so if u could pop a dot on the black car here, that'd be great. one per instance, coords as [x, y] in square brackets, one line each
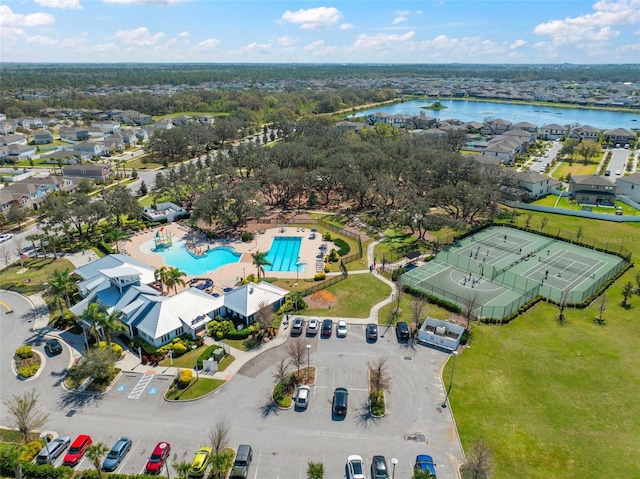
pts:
[402, 331]
[53, 347]
[372, 332]
[327, 328]
[379, 468]
[340, 399]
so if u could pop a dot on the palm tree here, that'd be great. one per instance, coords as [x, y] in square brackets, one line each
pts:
[62, 285]
[182, 469]
[95, 453]
[95, 315]
[161, 275]
[117, 235]
[260, 261]
[33, 238]
[112, 322]
[174, 278]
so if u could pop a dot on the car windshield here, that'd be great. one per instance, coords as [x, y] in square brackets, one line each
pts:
[155, 457]
[74, 450]
[113, 454]
[357, 467]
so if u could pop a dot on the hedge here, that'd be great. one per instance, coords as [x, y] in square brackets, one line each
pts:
[43, 471]
[30, 450]
[242, 334]
[343, 246]
[24, 352]
[28, 371]
[207, 354]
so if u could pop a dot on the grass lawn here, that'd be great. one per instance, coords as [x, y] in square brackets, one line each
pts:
[405, 313]
[237, 343]
[567, 203]
[38, 271]
[139, 165]
[551, 400]
[224, 364]
[186, 361]
[197, 389]
[190, 113]
[577, 168]
[351, 302]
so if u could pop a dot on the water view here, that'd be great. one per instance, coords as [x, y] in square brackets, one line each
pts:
[465, 110]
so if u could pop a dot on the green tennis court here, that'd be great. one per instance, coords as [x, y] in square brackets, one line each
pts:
[497, 270]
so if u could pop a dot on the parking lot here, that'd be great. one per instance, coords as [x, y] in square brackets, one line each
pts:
[283, 441]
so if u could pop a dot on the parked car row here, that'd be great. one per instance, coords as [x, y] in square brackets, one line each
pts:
[355, 468]
[326, 329]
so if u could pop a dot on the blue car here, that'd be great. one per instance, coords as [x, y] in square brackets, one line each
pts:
[425, 463]
[116, 454]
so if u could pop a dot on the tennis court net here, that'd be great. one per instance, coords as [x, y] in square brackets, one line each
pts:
[568, 265]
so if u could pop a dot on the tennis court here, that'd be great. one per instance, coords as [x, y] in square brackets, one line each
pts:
[497, 270]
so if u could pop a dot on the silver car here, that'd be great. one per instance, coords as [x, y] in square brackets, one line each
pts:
[52, 451]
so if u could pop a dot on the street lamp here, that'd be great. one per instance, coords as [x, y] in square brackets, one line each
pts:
[44, 437]
[453, 367]
[308, 362]
[195, 357]
[394, 461]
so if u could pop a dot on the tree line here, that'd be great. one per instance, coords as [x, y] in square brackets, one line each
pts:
[413, 181]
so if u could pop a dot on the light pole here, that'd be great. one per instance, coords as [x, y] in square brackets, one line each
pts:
[43, 436]
[394, 461]
[308, 362]
[195, 357]
[297, 279]
[453, 367]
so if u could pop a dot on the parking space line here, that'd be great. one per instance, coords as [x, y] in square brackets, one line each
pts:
[139, 388]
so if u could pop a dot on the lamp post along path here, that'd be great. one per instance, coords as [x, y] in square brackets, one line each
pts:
[195, 360]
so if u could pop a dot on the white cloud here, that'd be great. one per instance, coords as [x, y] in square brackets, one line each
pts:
[10, 19]
[208, 44]
[318, 49]
[517, 44]
[592, 27]
[313, 18]
[42, 40]
[255, 49]
[285, 41]
[381, 40]
[160, 3]
[139, 37]
[398, 20]
[73, 4]
[183, 34]
[12, 33]
[346, 26]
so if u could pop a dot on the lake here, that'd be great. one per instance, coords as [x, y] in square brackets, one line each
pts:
[465, 111]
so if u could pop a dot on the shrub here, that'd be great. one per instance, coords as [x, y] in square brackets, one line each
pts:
[206, 354]
[179, 349]
[246, 237]
[333, 256]
[343, 246]
[319, 276]
[115, 348]
[327, 237]
[29, 450]
[45, 471]
[28, 371]
[242, 334]
[24, 352]
[184, 378]
[280, 395]
[398, 272]
[377, 404]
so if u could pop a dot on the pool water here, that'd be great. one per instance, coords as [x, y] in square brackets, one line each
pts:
[178, 256]
[283, 254]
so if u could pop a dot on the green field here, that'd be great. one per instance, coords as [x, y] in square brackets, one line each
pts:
[553, 400]
[34, 279]
[568, 204]
[577, 168]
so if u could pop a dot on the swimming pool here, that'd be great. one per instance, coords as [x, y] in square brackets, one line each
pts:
[283, 254]
[178, 256]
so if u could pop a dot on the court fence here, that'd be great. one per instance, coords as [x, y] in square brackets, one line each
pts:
[608, 245]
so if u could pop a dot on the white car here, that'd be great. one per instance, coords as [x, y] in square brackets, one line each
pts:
[355, 467]
[341, 330]
[618, 172]
[312, 327]
[5, 237]
[303, 395]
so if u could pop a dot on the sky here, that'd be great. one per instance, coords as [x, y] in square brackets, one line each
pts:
[346, 31]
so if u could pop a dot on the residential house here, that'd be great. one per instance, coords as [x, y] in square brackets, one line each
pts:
[13, 139]
[29, 123]
[552, 132]
[522, 135]
[129, 137]
[473, 126]
[619, 136]
[165, 124]
[350, 125]
[526, 126]
[74, 133]
[498, 126]
[92, 148]
[206, 120]
[592, 190]
[585, 132]
[6, 127]
[97, 134]
[629, 186]
[93, 171]
[182, 120]
[504, 148]
[67, 157]
[244, 302]
[42, 137]
[114, 143]
[535, 184]
[107, 126]
[142, 119]
[31, 192]
[15, 153]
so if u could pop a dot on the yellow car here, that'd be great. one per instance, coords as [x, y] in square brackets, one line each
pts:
[200, 462]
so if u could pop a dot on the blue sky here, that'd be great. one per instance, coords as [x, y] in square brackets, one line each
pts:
[354, 31]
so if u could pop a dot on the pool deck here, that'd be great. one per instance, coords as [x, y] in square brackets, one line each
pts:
[229, 275]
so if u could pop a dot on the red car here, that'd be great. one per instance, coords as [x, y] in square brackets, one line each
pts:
[76, 451]
[158, 458]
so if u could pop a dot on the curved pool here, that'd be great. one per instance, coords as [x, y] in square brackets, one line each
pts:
[177, 255]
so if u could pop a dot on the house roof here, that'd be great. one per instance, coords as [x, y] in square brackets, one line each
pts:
[619, 132]
[113, 261]
[595, 180]
[553, 126]
[633, 179]
[248, 298]
[530, 177]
